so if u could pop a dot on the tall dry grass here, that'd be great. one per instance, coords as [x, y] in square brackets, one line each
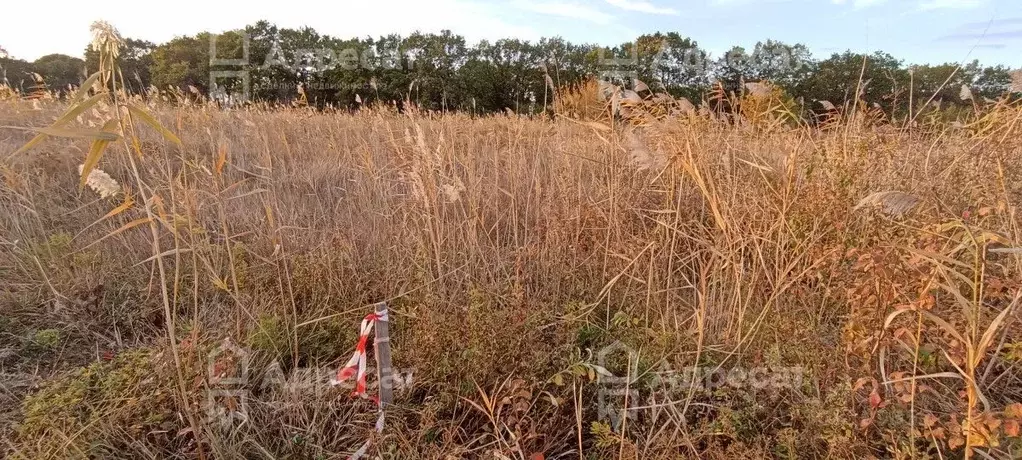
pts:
[512, 250]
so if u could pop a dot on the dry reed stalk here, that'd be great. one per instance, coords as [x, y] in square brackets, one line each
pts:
[737, 251]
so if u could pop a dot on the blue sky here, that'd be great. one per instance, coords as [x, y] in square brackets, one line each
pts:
[914, 30]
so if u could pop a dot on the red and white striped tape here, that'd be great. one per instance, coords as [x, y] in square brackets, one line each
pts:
[356, 366]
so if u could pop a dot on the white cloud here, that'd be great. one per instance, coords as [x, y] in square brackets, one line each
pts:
[69, 34]
[955, 4]
[857, 4]
[566, 10]
[642, 7]
[984, 31]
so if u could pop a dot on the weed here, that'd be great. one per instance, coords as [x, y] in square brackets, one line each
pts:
[882, 262]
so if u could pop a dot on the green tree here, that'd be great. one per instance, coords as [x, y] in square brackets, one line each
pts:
[182, 62]
[135, 60]
[16, 74]
[992, 82]
[505, 74]
[269, 68]
[883, 81]
[670, 63]
[60, 71]
[435, 60]
[440, 71]
[388, 65]
[733, 68]
[567, 63]
[787, 66]
[942, 83]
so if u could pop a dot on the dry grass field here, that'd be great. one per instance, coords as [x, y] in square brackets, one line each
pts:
[874, 265]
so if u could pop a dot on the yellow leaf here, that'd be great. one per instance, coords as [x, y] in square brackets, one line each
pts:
[95, 153]
[269, 216]
[79, 109]
[220, 284]
[71, 114]
[31, 143]
[988, 336]
[221, 159]
[149, 120]
[128, 202]
[69, 132]
[135, 144]
[83, 90]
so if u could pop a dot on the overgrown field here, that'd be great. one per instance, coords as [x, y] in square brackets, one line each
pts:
[513, 252]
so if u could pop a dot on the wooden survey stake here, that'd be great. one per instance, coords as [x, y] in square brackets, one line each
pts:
[384, 372]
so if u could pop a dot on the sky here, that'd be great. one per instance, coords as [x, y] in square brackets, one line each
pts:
[917, 31]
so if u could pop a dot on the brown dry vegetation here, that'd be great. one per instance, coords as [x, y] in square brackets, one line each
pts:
[512, 250]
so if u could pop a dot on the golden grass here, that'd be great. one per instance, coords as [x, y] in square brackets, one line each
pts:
[513, 250]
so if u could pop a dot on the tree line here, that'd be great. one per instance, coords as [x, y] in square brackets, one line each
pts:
[441, 71]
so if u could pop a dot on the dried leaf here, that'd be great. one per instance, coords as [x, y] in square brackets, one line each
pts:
[607, 90]
[125, 227]
[685, 107]
[1013, 410]
[874, 399]
[83, 90]
[639, 86]
[1011, 428]
[221, 159]
[79, 109]
[759, 89]
[152, 122]
[71, 132]
[965, 93]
